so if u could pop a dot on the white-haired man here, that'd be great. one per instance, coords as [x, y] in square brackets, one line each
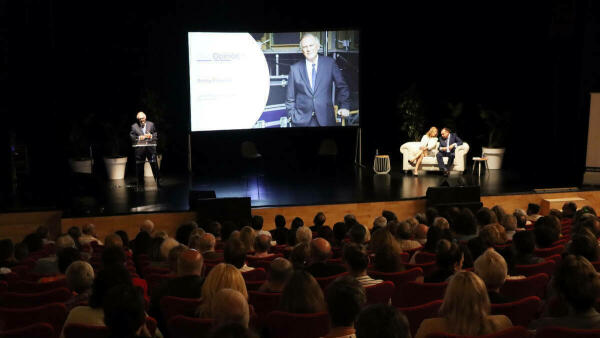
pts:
[143, 136]
[308, 100]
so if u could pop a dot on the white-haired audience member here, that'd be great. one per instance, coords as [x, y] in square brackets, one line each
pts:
[303, 235]
[492, 269]
[88, 235]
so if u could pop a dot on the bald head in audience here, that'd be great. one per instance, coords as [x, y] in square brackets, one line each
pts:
[380, 222]
[207, 243]
[230, 306]
[190, 262]
[320, 250]
[147, 226]
[262, 244]
[420, 233]
[64, 241]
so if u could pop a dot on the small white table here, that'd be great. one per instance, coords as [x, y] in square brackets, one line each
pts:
[478, 161]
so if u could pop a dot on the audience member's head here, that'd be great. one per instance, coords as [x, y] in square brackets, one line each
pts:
[465, 222]
[147, 226]
[533, 209]
[184, 231]
[380, 222]
[80, 276]
[174, 256]
[262, 244]
[545, 232]
[404, 231]
[303, 235]
[230, 306]
[382, 321]
[434, 234]
[556, 213]
[569, 209]
[206, 243]
[302, 294]
[509, 222]
[65, 257]
[499, 212]
[441, 222]
[521, 216]
[319, 219]
[431, 213]
[420, 232]
[326, 233]
[388, 255]
[63, 242]
[583, 243]
[113, 240]
[350, 220]
[355, 258]
[421, 218]
[214, 228]
[142, 244]
[222, 276]
[577, 282]
[524, 242]
[124, 312]
[357, 234]
[490, 236]
[389, 215]
[113, 256]
[257, 222]
[89, 229]
[297, 223]
[235, 253]
[42, 231]
[345, 298]
[166, 246]
[588, 221]
[75, 233]
[281, 270]
[320, 250]
[106, 279]
[190, 263]
[449, 256]
[247, 236]
[279, 221]
[466, 304]
[485, 216]
[300, 255]
[492, 269]
[124, 238]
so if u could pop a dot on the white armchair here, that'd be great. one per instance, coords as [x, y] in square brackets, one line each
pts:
[408, 150]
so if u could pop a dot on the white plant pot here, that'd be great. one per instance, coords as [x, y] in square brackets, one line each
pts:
[81, 166]
[148, 169]
[115, 167]
[494, 157]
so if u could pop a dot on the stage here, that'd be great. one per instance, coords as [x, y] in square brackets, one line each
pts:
[322, 186]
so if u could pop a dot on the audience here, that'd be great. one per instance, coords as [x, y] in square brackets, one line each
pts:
[124, 315]
[230, 306]
[296, 224]
[345, 298]
[88, 235]
[257, 223]
[318, 221]
[80, 278]
[434, 235]
[300, 255]
[382, 321]
[262, 244]
[302, 294]
[280, 272]
[339, 234]
[449, 259]
[388, 254]
[583, 243]
[235, 254]
[184, 231]
[113, 240]
[280, 234]
[420, 233]
[357, 234]
[492, 269]
[42, 231]
[404, 236]
[577, 282]
[357, 261]
[320, 252]
[222, 276]
[465, 310]
[465, 225]
[547, 231]
[247, 236]
[48, 266]
[206, 245]
[65, 257]
[303, 235]
[214, 228]
[533, 212]
[379, 223]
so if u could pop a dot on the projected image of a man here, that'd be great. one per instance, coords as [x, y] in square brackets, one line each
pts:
[310, 84]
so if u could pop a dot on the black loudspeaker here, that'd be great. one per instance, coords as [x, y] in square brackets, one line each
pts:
[200, 195]
[453, 182]
[222, 209]
[446, 197]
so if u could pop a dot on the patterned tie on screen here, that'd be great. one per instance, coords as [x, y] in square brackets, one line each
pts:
[314, 76]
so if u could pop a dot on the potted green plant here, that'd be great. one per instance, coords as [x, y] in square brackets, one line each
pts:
[115, 136]
[497, 124]
[410, 108]
[79, 145]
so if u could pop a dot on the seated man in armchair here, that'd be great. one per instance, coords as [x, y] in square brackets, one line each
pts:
[448, 144]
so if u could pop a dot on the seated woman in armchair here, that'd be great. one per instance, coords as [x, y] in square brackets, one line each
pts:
[428, 143]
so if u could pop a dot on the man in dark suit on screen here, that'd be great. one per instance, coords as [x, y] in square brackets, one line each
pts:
[143, 136]
[309, 93]
[447, 148]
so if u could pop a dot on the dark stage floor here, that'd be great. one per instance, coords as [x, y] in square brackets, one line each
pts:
[345, 185]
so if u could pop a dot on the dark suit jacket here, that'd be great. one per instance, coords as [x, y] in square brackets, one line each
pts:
[136, 132]
[280, 235]
[302, 101]
[453, 139]
[321, 269]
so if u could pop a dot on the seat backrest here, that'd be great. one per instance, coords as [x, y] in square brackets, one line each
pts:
[555, 258]
[325, 281]
[25, 300]
[398, 278]
[546, 252]
[264, 302]
[154, 280]
[563, 332]
[38, 330]
[173, 306]
[413, 293]
[189, 327]
[416, 314]
[53, 314]
[257, 274]
[75, 330]
[25, 286]
[405, 257]
[531, 286]
[520, 312]
[254, 284]
[297, 325]
[265, 265]
[546, 267]
[427, 268]
[411, 252]
[424, 257]
[511, 332]
[380, 293]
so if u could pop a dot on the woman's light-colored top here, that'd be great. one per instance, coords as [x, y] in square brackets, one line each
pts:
[429, 142]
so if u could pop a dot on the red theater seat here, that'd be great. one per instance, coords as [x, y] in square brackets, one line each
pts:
[53, 314]
[547, 252]
[546, 267]
[424, 257]
[416, 314]
[254, 285]
[189, 327]
[257, 274]
[25, 286]
[520, 312]
[512, 332]
[39, 330]
[413, 293]
[563, 332]
[427, 268]
[380, 293]
[297, 325]
[325, 281]
[531, 286]
[93, 331]
[173, 306]
[25, 300]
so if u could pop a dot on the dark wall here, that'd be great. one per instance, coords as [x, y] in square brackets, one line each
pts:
[535, 60]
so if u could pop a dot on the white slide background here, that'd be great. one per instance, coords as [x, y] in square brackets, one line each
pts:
[229, 81]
